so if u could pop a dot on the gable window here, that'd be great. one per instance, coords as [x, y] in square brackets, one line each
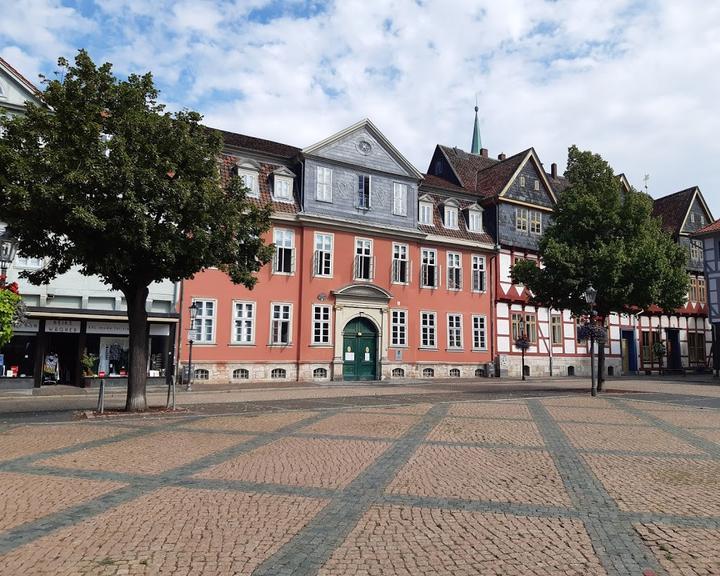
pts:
[521, 219]
[363, 259]
[400, 199]
[478, 273]
[323, 255]
[398, 327]
[284, 260]
[249, 178]
[280, 324]
[454, 327]
[701, 290]
[535, 222]
[321, 324]
[696, 251]
[429, 276]
[556, 329]
[244, 322]
[522, 181]
[454, 271]
[537, 184]
[428, 326]
[692, 217]
[204, 326]
[702, 220]
[475, 221]
[451, 217]
[363, 194]
[425, 213]
[479, 332]
[282, 188]
[323, 189]
[400, 264]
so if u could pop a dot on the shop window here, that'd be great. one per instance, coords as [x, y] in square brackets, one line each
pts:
[455, 372]
[241, 374]
[278, 374]
[428, 373]
[398, 373]
[320, 373]
[202, 374]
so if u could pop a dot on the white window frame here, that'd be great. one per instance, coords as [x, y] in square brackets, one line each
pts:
[200, 336]
[400, 195]
[369, 192]
[450, 217]
[398, 328]
[277, 181]
[28, 263]
[459, 317]
[537, 184]
[254, 188]
[522, 181]
[398, 251]
[475, 221]
[696, 250]
[356, 260]
[425, 341]
[323, 184]
[321, 339]
[273, 319]
[245, 321]
[322, 265]
[479, 332]
[479, 274]
[454, 271]
[522, 219]
[277, 234]
[426, 208]
[426, 267]
[535, 222]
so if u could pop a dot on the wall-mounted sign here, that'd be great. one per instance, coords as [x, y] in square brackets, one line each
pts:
[350, 356]
[62, 326]
[30, 325]
[119, 328]
[159, 330]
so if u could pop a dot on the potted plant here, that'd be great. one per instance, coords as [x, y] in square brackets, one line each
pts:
[89, 363]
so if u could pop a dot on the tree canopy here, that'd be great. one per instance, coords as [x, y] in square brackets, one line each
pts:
[101, 177]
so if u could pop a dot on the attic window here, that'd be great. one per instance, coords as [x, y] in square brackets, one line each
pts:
[248, 173]
[702, 220]
[692, 217]
[425, 213]
[451, 217]
[537, 184]
[475, 221]
[522, 181]
[282, 188]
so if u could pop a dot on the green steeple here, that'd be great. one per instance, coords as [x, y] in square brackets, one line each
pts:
[476, 143]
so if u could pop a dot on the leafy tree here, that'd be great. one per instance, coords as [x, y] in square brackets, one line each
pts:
[11, 310]
[102, 177]
[606, 236]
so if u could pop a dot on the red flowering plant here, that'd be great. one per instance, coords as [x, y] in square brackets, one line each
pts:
[12, 309]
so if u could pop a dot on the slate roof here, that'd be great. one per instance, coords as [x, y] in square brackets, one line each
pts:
[258, 145]
[462, 232]
[712, 228]
[558, 184]
[672, 209]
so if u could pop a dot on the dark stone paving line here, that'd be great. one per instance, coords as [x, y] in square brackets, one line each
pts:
[308, 550]
[710, 448]
[708, 522]
[688, 400]
[256, 487]
[641, 453]
[619, 548]
[595, 423]
[487, 445]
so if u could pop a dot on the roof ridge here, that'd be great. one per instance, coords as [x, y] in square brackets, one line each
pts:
[22, 78]
[690, 189]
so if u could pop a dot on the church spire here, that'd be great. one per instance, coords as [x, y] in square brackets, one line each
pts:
[476, 143]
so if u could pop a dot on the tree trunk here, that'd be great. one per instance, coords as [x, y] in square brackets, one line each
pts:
[601, 366]
[137, 377]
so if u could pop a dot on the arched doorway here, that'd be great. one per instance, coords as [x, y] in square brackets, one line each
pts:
[360, 350]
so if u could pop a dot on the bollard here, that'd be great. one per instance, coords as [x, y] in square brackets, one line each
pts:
[101, 394]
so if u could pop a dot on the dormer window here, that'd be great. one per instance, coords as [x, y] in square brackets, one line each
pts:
[249, 171]
[475, 220]
[450, 216]
[425, 213]
[283, 185]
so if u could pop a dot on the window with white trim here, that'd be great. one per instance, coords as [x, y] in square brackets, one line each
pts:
[398, 327]
[454, 330]
[363, 193]
[429, 273]
[323, 190]
[475, 221]
[428, 328]
[282, 188]
[537, 185]
[363, 259]
[425, 214]
[323, 256]
[284, 260]
[522, 181]
[478, 273]
[400, 264]
[535, 222]
[28, 263]
[281, 321]
[450, 217]
[521, 219]
[243, 322]
[454, 271]
[696, 250]
[249, 179]
[479, 332]
[241, 374]
[204, 325]
[321, 324]
[400, 199]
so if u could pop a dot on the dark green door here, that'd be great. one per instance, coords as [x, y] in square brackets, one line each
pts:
[359, 350]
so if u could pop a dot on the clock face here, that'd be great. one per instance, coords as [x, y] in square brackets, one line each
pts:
[364, 147]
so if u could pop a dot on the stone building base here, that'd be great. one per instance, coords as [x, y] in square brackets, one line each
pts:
[509, 366]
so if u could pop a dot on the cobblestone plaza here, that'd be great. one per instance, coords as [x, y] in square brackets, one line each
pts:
[565, 484]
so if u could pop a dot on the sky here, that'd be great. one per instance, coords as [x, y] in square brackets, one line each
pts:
[633, 80]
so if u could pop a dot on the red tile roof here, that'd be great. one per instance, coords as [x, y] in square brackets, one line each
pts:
[493, 179]
[431, 181]
[260, 145]
[462, 232]
[466, 165]
[229, 160]
[672, 209]
[712, 228]
[29, 85]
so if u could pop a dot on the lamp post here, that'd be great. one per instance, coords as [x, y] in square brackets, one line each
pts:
[8, 247]
[590, 295]
[191, 338]
[522, 342]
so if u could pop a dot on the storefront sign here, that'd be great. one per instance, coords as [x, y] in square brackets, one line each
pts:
[63, 326]
[159, 330]
[30, 325]
[118, 328]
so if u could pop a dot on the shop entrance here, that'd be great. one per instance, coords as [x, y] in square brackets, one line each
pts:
[360, 350]
[629, 352]
[61, 362]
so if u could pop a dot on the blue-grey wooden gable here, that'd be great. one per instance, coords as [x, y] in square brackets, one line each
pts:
[541, 197]
[508, 235]
[697, 217]
[348, 159]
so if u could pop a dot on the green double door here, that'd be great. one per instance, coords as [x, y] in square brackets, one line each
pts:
[359, 350]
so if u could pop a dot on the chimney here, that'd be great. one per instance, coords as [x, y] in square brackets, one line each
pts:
[553, 170]
[502, 156]
[484, 152]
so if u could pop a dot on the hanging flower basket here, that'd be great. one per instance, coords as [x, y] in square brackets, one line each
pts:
[12, 310]
[522, 343]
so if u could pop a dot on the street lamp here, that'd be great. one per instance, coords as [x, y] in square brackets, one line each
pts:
[191, 339]
[522, 343]
[590, 295]
[8, 247]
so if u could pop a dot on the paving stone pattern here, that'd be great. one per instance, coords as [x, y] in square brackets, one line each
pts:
[548, 486]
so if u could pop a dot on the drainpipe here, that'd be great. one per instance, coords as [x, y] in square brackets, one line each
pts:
[300, 266]
[178, 348]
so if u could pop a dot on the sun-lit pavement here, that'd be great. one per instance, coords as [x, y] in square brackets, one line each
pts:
[553, 484]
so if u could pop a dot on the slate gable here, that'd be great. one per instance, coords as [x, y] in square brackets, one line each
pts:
[527, 193]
